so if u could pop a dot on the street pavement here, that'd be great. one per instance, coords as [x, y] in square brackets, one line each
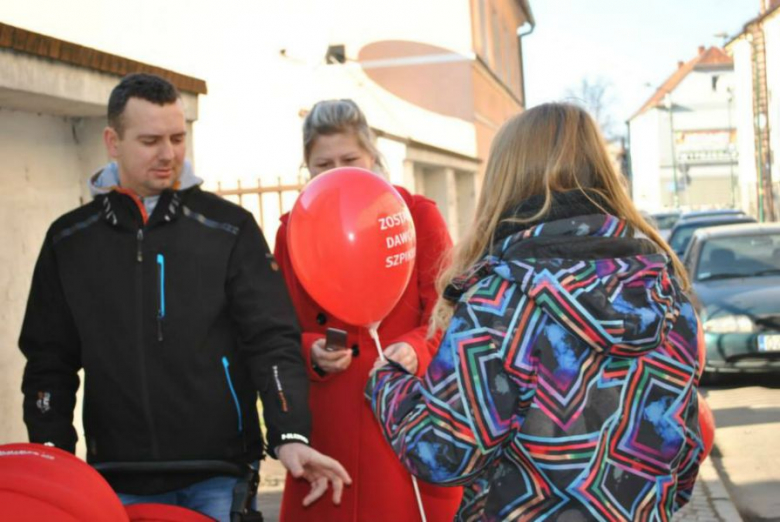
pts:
[710, 501]
[747, 455]
[269, 496]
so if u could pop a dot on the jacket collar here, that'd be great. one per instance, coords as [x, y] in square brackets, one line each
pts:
[564, 205]
[125, 210]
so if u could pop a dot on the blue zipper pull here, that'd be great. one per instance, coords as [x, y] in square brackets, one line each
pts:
[161, 294]
[226, 365]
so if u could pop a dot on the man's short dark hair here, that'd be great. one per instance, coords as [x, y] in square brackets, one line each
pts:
[147, 87]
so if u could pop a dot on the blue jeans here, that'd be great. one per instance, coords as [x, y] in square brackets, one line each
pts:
[212, 497]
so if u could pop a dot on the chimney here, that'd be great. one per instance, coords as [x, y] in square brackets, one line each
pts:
[768, 5]
[701, 50]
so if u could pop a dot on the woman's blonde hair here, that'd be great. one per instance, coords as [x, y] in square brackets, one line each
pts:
[551, 148]
[328, 117]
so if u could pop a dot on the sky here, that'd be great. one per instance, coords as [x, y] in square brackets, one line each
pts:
[631, 44]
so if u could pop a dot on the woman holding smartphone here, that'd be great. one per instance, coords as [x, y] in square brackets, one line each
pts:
[336, 134]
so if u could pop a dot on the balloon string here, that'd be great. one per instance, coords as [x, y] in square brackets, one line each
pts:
[375, 336]
[372, 331]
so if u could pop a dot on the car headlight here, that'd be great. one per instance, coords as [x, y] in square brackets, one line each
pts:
[729, 324]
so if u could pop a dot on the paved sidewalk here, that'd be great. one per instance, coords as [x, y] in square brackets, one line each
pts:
[710, 501]
[269, 496]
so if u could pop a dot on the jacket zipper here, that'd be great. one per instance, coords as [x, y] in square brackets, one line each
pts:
[160, 295]
[139, 242]
[142, 346]
[226, 365]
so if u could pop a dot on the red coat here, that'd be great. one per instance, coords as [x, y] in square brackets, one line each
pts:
[343, 425]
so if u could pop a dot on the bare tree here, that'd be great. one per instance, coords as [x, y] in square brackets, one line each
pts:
[595, 96]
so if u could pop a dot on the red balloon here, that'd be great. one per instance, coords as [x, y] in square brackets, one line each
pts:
[352, 244]
[706, 425]
[701, 350]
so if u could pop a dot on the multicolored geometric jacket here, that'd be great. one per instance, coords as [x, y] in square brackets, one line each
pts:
[565, 387]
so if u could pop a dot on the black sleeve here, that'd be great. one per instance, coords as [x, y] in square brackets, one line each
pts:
[50, 343]
[269, 337]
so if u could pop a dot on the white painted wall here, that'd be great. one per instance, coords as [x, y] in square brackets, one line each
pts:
[697, 107]
[743, 90]
[42, 173]
[706, 108]
[645, 158]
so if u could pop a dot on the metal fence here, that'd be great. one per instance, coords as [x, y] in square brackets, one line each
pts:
[247, 197]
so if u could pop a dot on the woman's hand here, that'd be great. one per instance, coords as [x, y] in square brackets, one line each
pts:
[330, 362]
[403, 354]
[379, 363]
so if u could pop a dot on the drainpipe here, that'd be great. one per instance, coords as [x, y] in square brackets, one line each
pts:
[532, 26]
[757, 128]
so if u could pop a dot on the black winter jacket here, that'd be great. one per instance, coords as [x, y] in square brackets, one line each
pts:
[177, 322]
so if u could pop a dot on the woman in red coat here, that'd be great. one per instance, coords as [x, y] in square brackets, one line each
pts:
[336, 135]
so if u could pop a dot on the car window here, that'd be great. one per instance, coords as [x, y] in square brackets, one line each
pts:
[680, 238]
[739, 256]
[711, 213]
[665, 222]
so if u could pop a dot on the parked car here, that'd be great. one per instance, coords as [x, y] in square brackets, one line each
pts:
[696, 214]
[664, 221]
[735, 272]
[681, 234]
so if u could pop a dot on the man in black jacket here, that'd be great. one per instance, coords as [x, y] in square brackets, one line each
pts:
[168, 298]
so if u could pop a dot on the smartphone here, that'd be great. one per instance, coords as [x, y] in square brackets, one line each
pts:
[335, 339]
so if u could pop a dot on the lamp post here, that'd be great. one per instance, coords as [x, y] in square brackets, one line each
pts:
[730, 147]
[670, 106]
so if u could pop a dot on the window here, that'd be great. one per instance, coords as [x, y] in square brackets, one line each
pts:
[509, 57]
[497, 47]
[483, 41]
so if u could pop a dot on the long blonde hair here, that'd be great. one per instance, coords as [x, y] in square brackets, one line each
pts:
[551, 148]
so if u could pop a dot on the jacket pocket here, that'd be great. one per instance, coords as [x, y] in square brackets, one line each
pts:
[226, 366]
[160, 295]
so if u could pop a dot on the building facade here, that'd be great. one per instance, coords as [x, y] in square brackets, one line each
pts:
[756, 54]
[436, 80]
[683, 139]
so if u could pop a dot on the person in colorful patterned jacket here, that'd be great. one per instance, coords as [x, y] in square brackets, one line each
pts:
[565, 387]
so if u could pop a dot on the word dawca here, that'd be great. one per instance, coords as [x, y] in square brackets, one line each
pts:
[400, 239]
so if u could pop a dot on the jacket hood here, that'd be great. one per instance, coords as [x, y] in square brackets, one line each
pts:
[612, 291]
[106, 179]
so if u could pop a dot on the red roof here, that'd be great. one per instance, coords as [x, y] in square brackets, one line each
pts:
[707, 58]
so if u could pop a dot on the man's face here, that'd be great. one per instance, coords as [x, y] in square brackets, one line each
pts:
[150, 152]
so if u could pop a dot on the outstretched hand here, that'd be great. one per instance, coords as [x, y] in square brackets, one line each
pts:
[305, 462]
